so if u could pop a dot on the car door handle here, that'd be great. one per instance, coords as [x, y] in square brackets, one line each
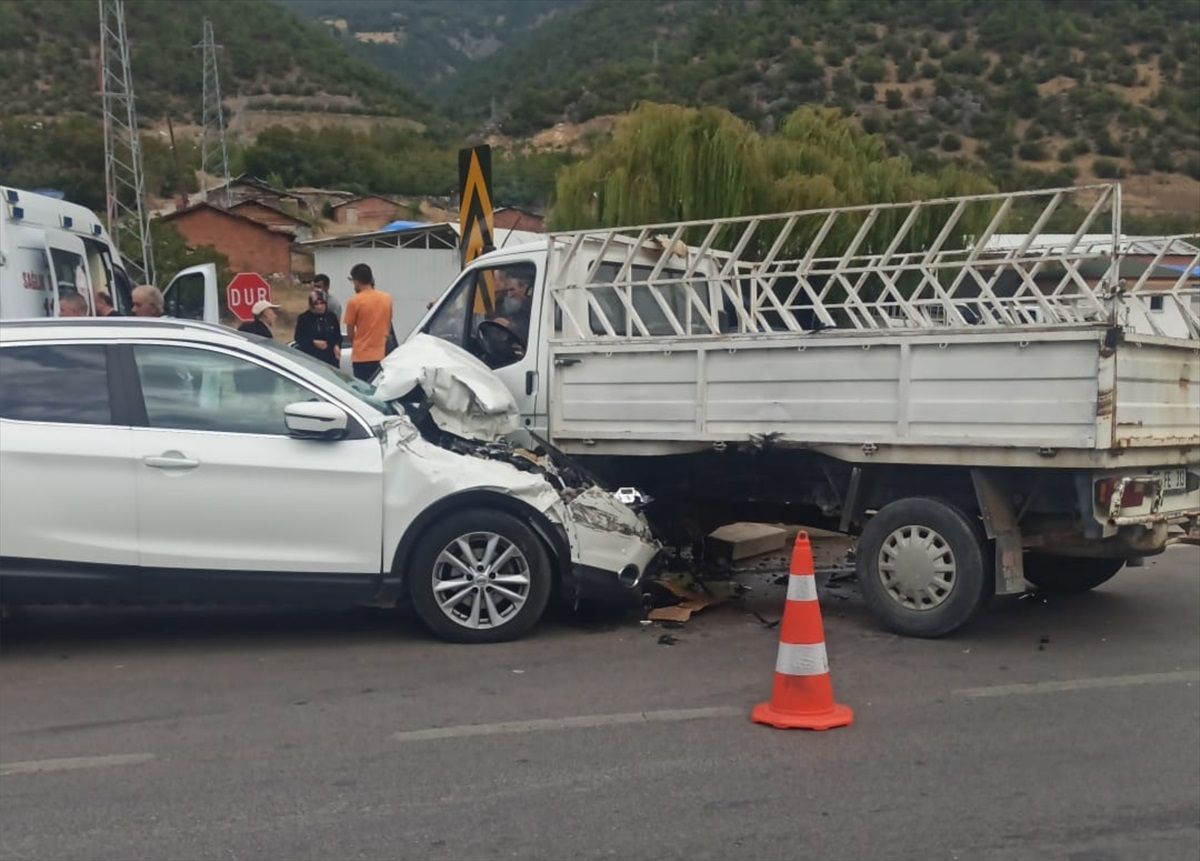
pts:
[170, 460]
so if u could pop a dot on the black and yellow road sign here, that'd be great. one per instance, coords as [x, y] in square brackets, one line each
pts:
[475, 208]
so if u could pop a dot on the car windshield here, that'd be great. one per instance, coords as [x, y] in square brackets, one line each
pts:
[364, 392]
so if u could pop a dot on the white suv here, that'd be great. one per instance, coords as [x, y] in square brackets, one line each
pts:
[165, 460]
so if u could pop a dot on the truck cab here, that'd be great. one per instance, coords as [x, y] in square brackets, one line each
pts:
[495, 310]
[51, 248]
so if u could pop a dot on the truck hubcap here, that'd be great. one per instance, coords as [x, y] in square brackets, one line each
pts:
[481, 580]
[916, 567]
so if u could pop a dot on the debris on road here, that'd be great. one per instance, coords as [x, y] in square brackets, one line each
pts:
[737, 541]
[691, 602]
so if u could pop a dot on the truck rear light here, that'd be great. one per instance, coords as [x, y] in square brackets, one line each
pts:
[1133, 495]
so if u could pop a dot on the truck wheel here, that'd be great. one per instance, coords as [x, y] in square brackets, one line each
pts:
[1068, 575]
[479, 576]
[923, 567]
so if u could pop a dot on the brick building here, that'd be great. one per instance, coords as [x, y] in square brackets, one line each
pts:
[274, 218]
[249, 245]
[369, 212]
[515, 218]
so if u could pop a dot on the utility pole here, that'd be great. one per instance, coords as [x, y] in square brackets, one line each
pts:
[124, 182]
[214, 159]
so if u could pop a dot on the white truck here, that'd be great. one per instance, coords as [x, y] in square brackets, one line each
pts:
[982, 402]
[50, 248]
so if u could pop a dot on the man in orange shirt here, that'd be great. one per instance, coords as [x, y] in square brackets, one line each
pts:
[368, 321]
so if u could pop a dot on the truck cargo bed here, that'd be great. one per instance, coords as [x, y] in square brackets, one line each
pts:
[1083, 388]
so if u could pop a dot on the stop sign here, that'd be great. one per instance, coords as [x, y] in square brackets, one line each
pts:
[243, 291]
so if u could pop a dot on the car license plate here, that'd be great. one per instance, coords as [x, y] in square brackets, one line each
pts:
[1173, 480]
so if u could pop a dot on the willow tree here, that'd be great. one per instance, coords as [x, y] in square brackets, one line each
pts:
[672, 163]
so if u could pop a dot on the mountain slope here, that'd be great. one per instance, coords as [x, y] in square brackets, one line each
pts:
[49, 57]
[1034, 90]
[426, 44]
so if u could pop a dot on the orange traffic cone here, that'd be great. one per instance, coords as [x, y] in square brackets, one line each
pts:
[802, 695]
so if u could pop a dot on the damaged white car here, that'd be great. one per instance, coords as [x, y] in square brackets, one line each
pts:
[153, 461]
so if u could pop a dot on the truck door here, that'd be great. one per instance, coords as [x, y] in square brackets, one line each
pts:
[192, 294]
[492, 312]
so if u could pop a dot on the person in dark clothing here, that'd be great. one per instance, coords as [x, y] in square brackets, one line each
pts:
[321, 282]
[264, 316]
[104, 306]
[318, 331]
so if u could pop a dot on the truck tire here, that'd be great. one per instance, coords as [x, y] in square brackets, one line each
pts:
[479, 576]
[1069, 575]
[924, 568]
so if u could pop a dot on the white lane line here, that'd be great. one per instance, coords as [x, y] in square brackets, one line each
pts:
[577, 722]
[72, 763]
[1082, 684]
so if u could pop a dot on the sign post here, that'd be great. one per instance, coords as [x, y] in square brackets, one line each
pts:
[243, 291]
[475, 201]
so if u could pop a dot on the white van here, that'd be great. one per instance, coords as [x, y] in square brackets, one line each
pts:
[49, 248]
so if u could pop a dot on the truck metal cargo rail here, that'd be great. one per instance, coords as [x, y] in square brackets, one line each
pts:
[1035, 344]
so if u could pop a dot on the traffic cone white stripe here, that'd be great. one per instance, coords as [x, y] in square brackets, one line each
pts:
[802, 588]
[802, 659]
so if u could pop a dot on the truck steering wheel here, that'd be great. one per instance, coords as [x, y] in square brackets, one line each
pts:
[500, 344]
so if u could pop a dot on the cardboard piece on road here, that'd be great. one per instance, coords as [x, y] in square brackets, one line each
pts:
[736, 541]
[693, 602]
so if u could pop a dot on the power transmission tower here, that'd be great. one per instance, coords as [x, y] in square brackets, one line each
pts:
[124, 183]
[213, 155]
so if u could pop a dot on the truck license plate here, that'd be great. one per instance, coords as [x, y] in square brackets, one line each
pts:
[1173, 480]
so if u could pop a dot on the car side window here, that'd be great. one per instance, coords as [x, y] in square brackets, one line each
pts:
[65, 383]
[186, 388]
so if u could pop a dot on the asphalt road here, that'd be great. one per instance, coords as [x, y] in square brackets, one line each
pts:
[1053, 729]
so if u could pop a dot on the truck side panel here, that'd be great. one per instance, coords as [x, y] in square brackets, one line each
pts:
[968, 390]
[1157, 393]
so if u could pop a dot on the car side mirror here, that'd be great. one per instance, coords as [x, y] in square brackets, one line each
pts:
[315, 420]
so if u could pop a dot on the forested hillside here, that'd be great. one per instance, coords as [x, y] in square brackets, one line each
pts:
[429, 44]
[1066, 88]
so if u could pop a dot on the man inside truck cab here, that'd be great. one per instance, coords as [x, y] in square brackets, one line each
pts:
[503, 333]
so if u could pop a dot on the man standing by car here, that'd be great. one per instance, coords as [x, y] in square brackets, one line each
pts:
[264, 318]
[368, 321]
[147, 301]
[104, 306]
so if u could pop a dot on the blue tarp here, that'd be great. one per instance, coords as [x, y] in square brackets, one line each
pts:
[1175, 267]
[402, 225]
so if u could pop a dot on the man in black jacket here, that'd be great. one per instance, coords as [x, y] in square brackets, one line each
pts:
[264, 318]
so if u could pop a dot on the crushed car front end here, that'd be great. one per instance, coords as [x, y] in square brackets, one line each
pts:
[457, 414]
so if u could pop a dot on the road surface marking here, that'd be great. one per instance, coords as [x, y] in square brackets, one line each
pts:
[578, 722]
[1082, 684]
[72, 763]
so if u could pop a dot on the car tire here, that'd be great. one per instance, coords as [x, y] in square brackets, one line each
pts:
[1069, 575]
[463, 594]
[923, 567]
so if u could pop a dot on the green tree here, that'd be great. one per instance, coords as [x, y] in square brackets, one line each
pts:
[667, 162]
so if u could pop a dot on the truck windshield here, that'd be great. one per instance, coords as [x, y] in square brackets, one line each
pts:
[364, 392]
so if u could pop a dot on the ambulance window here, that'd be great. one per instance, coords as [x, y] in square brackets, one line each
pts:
[67, 270]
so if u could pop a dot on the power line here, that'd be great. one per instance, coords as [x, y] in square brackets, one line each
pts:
[213, 155]
[124, 182]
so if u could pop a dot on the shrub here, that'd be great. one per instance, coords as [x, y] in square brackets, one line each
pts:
[894, 99]
[1032, 151]
[951, 142]
[929, 70]
[869, 68]
[965, 62]
[1107, 169]
[866, 92]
